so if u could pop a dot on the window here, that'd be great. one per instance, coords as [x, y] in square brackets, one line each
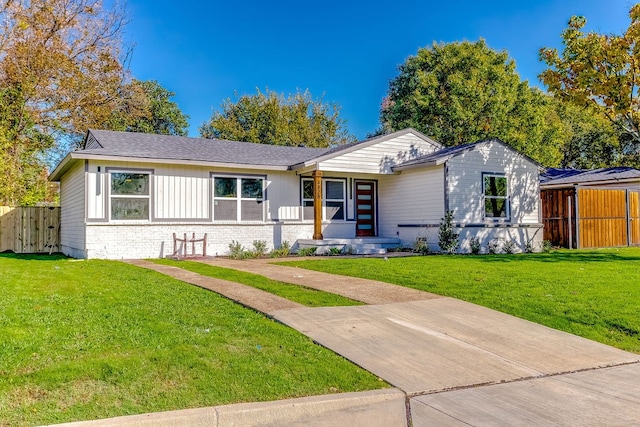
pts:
[237, 199]
[496, 197]
[333, 199]
[130, 195]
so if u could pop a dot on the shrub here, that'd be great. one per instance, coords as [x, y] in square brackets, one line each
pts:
[509, 247]
[283, 251]
[528, 248]
[236, 250]
[307, 251]
[475, 246]
[448, 238]
[259, 248]
[420, 246]
[334, 251]
[494, 246]
[546, 246]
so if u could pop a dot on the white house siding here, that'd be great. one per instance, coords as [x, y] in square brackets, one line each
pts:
[410, 202]
[72, 205]
[465, 197]
[379, 158]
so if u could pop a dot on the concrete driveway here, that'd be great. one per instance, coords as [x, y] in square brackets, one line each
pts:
[462, 364]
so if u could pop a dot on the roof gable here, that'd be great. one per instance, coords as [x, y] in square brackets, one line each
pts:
[441, 156]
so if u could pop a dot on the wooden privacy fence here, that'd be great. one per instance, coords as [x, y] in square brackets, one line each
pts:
[29, 229]
[591, 217]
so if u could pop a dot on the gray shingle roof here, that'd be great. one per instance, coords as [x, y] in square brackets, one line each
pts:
[553, 176]
[442, 155]
[149, 146]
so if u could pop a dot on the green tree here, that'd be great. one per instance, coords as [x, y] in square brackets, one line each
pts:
[463, 92]
[272, 118]
[600, 71]
[23, 177]
[147, 107]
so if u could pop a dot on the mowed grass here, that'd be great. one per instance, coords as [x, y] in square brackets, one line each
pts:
[83, 340]
[300, 294]
[594, 294]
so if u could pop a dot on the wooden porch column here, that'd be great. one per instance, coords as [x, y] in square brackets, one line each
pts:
[317, 205]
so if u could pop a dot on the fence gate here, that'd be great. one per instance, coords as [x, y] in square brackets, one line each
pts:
[634, 217]
[29, 229]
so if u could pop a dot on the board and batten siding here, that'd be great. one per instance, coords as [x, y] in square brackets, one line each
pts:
[72, 212]
[464, 183]
[381, 157]
[415, 197]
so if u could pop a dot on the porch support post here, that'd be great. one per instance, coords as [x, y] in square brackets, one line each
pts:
[317, 205]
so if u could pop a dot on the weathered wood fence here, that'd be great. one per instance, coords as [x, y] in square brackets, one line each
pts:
[29, 229]
[591, 217]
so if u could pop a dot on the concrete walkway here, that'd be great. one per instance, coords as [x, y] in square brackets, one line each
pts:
[453, 363]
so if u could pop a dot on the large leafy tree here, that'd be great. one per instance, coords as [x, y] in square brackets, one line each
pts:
[462, 92]
[600, 71]
[272, 118]
[146, 107]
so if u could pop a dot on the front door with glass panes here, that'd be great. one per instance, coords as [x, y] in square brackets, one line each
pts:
[365, 208]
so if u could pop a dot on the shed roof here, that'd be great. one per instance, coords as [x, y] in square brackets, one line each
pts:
[570, 177]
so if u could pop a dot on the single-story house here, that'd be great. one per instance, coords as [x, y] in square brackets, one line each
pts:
[125, 194]
[594, 208]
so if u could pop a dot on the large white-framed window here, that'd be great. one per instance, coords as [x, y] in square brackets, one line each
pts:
[129, 195]
[334, 200]
[238, 198]
[496, 196]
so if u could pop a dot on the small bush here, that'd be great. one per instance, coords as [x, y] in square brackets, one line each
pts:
[528, 248]
[448, 239]
[494, 246]
[475, 246]
[259, 248]
[283, 251]
[307, 251]
[509, 247]
[236, 250]
[334, 251]
[420, 246]
[546, 246]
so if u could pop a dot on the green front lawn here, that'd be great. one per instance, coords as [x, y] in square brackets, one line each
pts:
[300, 294]
[594, 294]
[92, 339]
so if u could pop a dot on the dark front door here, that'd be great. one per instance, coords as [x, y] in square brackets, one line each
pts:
[365, 208]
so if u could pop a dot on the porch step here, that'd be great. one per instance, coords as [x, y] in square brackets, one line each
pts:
[357, 246]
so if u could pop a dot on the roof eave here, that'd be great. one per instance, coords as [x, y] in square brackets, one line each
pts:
[551, 185]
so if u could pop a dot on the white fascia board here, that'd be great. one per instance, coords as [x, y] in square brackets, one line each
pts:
[80, 155]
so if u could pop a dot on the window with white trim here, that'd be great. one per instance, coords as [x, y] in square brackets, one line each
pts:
[496, 196]
[238, 199]
[333, 199]
[130, 195]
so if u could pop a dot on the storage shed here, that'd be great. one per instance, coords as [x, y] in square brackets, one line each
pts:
[591, 208]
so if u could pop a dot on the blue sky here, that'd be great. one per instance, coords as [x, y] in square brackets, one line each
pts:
[345, 51]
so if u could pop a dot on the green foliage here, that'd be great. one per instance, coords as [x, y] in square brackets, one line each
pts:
[493, 247]
[448, 239]
[307, 251]
[420, 246]
[463, 92]
[283, 251]
[475, 246]
[600, 71]
[272, 118]
[334, 251]
[590, 293]
[546, 246]
[146, 107]
[98, 339]
[509, 247]
[236, 250]
[23, 172]
[259, 248]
